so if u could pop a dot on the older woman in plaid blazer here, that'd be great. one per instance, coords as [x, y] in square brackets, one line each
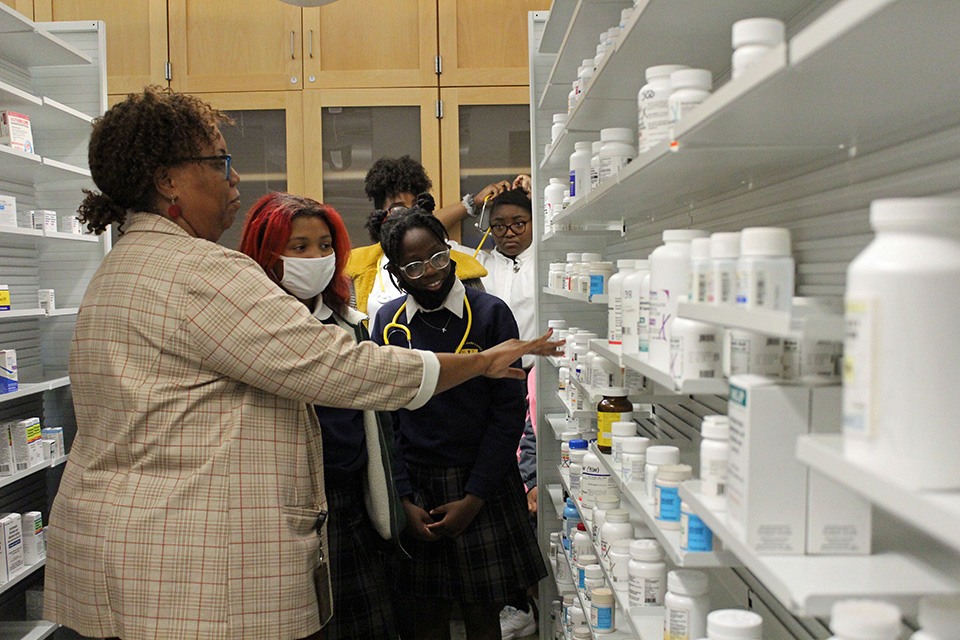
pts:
[192, 505]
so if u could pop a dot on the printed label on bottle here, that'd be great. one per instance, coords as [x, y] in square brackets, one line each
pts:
[573, 183]
[676, 625]
[668, 504]
[645, 591]
[605, 422]
[643, 326]
[858, 370]
[596, 285]
[611, 165]
[713, 476]
[743, 286]
[601, 618]
[694, 535]
[633, 465]
[759, 289]
[657, 121]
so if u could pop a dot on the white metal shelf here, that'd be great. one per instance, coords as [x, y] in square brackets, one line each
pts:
[37, 468]
[75, 237]
[66, 311]
[19, 166]
[29, 389]
[580, 297]
[54, 115]
[23, 573]
[809, 585]
[17, 99]
[19, 231]
[573, 413]
[669, 539]
[26, 45]
[14, 314]
[556, 27]
[558, 422]
[29, 630]
[786, 324]
[619, 633]
[555, 492]
[665, 380]
[935, 512]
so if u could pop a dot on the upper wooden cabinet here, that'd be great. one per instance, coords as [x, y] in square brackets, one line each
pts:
[358, 43]
[484, 42]
[235, 45]
[22, 6]
[136, 37]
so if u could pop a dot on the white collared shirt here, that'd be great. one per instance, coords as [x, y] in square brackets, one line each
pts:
[453, 302]
[383, 289]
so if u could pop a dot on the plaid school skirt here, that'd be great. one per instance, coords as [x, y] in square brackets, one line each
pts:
[495, 557]
[362, 606]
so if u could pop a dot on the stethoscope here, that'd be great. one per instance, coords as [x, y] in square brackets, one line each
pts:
[394, 324]
[479, 225]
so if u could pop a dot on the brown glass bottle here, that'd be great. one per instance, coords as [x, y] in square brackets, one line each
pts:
[614, 407]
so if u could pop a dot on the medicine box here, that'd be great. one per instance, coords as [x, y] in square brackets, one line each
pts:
[7, 466]
[8, 211]
[12, 532]
[4, 297]
[68, 224]
[15, 131]
[34, 547]
[27, 444]
[8, 371]
[25, 218]
[46, 299]
[45, 219]
[766, 486]
[838, 520]
[55, 434]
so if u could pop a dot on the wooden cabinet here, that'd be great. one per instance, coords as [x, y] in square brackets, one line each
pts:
[136, 37]
[23, 6]
[484, 42]
[356, 43]
[235, 45]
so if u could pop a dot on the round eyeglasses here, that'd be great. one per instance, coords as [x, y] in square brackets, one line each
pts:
[439, 260]
[500, 230]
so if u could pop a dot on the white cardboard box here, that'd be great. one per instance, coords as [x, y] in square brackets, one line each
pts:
[27, 444]
[12, 532]
[15, 131]
[55, 434]
[34, 540]
[45, 219]
[8, 211]
[7, 466]
[47, 299]
[25, 218]
[766, 486]
[839, 521]
[69, 224]
[9, 381]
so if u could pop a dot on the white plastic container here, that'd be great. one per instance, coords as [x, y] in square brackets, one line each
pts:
[599, 274]
[687, 605]
[581, 544]
[583, 562]
[749, 352]
[695, 535]
[865, 620]
[765, 269]
[643, 325]
[669, 280]
[618, 559]
[605, 374]
[619, 432]
[595, 164]
[625, 17]
[688, 89]
[580, 171]
[616, 151]
[604, 503]
[616, 527]
[584, 74]
[634, 462]
[572, 96]
[752, 39]
[661, 454]
[734, 624]
[592, 579]
[594, 480]
[552, 200]
[598, 58]
[648, 574]
[572, 259]
[602, 611]
[653, 114]
[714, 455]
[666, 507]
[565, 439]
[939, 619]
[695, 349]
[631, 303]
[699, 267]
[722, 273]
[559, 124]
[900, 353]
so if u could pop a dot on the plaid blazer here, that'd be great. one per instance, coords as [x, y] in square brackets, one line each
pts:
[190, 503]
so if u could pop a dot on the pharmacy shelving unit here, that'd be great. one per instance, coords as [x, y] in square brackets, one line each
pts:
[56, 74]
[853, 107]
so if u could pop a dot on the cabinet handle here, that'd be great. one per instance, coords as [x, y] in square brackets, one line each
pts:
[311, 43]
[292, 56]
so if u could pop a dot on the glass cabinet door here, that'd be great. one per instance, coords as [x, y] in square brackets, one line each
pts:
[358, 127]
[486, 138]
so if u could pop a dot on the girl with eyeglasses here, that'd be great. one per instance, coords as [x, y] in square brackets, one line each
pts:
[455, 457]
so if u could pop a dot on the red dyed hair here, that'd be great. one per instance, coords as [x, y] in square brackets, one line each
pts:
[266, 232]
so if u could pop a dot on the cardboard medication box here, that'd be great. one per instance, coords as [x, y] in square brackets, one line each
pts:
[27, 444]
[69, 224]
[45, 219]
[15, 131]
[34, 543]
[4, 297]
[10, 529]
[7, 466]
[55, 434]
[46, 298]
[25, 218]
[8, 211]
[8, 371]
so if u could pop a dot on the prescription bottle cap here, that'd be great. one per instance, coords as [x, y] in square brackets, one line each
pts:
[602, 595]
[582, 633]
[573, 257]
[557, 324]
[734, 624]
[635, 444]
[595, 147]
[691, 79]
[625, 264]
[765, 31]
[939, 615]
[617, 134]
[559, 117]
[607, 501]
[618, 515]
[582, 146]
[899, 214]
[687, 582]
[645, 551]
[592, 571]
[663, 70]
[660, 454]
[765, 241]
[578, 443]
[674, 472]
[590, 257]
[715, 430]
[700, 248]
[641, 265]
[584, 561]
[567, 436]
[682, 235]
[725, 244]
[865, 620]
[622, 545]
[615, 392]
[623, 429]
[581, 527]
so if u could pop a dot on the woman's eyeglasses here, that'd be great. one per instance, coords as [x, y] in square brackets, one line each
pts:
[439, 260]
[500, 230]
[222, 163]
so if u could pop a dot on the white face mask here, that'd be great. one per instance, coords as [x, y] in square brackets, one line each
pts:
[307, 277]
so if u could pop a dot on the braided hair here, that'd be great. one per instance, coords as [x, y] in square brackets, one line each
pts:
[375, 220]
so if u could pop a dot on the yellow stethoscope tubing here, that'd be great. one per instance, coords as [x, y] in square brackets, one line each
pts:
[396, 325]
[487, 232]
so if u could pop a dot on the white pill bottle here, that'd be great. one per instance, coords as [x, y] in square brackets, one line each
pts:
[864, 620]
[939, 619]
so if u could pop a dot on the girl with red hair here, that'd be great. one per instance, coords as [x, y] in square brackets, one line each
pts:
[303, 246]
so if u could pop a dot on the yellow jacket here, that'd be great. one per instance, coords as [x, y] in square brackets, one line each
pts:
[363, 263]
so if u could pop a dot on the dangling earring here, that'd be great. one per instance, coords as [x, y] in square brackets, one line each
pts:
[174, 209]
